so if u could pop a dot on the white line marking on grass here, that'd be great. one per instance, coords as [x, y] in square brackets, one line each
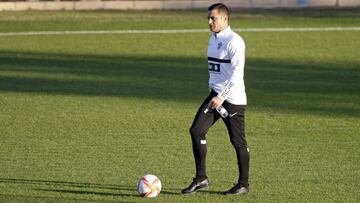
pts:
[301, 29]
[99, 32]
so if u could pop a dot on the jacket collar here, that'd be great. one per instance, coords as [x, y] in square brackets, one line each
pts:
[222, 32]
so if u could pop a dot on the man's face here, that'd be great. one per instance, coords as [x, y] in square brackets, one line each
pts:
[217, 21]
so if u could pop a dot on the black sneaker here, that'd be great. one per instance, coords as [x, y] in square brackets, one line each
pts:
[237, 189]
[195, 186]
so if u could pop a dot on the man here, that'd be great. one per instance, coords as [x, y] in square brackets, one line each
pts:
[226, 59]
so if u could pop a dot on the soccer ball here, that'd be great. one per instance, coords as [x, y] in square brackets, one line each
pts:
[149, 186]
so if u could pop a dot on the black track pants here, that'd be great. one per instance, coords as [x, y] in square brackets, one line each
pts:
[235, 126]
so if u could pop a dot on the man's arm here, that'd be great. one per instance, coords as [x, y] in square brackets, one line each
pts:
[236, 50]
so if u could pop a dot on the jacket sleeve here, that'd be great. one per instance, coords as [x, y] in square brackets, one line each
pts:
[236, 53]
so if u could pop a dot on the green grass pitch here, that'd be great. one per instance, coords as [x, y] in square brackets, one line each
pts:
[83, 117]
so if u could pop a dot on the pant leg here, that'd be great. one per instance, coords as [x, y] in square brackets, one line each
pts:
[199, 128]
[235, 124]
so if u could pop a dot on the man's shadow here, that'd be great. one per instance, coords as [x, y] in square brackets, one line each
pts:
[80, 188]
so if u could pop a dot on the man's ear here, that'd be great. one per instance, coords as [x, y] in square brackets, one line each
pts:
[225, 18]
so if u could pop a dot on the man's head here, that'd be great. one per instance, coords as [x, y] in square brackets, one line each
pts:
[218, 17]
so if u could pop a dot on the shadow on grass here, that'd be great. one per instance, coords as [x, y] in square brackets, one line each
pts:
[88, 192]
[324, 88]
[66, 183]
[29, 198]
[126, 76]
[78, 188]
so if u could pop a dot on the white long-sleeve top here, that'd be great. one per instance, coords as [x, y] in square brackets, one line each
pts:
[226, 59]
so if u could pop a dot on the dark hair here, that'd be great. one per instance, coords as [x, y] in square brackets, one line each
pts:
[222, 8]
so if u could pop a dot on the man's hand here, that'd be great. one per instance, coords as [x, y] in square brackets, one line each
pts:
[216, 102]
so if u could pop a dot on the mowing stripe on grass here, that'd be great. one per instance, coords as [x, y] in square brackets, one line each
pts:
[90, 32]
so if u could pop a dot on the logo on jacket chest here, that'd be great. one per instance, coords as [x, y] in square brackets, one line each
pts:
[214, 67]
[219, 45]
